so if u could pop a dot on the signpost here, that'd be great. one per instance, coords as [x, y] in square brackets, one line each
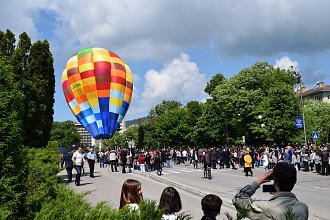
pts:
[315, 136]
[299, 123]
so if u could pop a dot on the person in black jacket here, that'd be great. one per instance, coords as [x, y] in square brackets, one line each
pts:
[68, 163]
[123, 158]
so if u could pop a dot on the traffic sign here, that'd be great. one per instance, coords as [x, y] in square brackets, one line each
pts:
[315, 135]
[299, 123]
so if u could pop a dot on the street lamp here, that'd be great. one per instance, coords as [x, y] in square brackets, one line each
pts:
[298, 77]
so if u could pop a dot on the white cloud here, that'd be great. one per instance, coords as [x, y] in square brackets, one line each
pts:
[286, 63]
[179, 80]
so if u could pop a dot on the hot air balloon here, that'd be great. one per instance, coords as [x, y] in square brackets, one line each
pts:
[98, 86]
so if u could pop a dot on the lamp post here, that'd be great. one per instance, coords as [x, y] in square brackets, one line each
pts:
[298, 77]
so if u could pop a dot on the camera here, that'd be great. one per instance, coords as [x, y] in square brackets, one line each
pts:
[270, 177]
[268, 188]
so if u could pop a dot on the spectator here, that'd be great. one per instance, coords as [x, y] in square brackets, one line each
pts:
[170, 201]
[247, 164]
[283, 201]
[131, 194]
[123, 159]
[68, 163]
[78, 163]
[142, 160]
[113, 158]
[91, 157]
[325, 161]
[157, 163]
[211, 206]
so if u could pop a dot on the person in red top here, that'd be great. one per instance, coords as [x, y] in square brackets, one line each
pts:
[142, 161]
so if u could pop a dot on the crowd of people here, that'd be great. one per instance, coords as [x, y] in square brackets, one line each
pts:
[283, 163]
[307, 158]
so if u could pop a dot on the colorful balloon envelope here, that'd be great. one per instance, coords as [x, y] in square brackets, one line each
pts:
[98, 87]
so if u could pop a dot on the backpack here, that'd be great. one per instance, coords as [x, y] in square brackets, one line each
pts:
[207, 158]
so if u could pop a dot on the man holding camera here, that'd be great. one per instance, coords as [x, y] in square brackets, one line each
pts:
[281, 204]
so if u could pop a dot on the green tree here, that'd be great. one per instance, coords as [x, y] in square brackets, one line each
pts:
[213, 83]
[211, 125]
[172, 128]
[259, 90]
[12, 169]
[164, 107]
[65, 134]
[7, 43]
[316, 119]
[20, 59]
[39, 96]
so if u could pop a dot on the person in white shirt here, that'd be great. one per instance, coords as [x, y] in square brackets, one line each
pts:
[265, 161]
[78, 163]
[184, 156]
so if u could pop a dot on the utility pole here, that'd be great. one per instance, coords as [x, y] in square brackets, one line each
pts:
[298, 77]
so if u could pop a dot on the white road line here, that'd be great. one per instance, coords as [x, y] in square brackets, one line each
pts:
[317, 187]
[172, 171]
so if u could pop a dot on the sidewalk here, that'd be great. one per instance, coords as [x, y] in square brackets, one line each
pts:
[106, 186]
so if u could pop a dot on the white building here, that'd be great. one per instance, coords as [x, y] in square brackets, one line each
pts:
[87, 140]
[320, 92]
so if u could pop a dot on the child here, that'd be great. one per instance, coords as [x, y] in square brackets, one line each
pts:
[170, 201]
[211, 205]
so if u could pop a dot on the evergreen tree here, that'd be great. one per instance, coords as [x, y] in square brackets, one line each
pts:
[7, 43]
[39, 96]
[11, 160]
[20, 59]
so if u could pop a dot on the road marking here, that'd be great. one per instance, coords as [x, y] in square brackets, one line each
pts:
[172, 171]
[317, 187]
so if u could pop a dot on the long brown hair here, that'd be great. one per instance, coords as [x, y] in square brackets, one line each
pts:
[130, 193]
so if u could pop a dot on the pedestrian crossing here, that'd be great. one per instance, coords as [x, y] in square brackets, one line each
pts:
[181, 170]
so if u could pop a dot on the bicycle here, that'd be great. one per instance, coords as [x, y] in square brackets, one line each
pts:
[207, 172]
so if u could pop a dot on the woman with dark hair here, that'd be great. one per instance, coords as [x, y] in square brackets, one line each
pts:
[131, 194]
[170, 201]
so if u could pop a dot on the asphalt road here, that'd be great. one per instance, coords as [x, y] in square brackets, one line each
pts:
[311, 188]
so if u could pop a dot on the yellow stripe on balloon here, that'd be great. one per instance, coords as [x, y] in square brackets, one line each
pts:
[117, 87]
[72, 62]
[92, 95]
[93, 102]
[76, 110]
[88, 81]
[85, 67]
[64, 76]
[116, 60]
[115, 101]
[127, 98]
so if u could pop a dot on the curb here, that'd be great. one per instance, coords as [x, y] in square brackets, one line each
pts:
[226, 202]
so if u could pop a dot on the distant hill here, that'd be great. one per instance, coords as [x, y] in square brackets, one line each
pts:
[137, 121]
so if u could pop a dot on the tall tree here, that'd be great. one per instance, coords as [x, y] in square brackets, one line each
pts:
[260, 90]
[213, 83]
[7, 43]
[317, 119]
[164, 107]
[65, 134]
[39, 96]
[20, 59]
[12, 167]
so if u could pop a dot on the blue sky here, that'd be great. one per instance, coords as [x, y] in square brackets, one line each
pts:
[174, 47]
